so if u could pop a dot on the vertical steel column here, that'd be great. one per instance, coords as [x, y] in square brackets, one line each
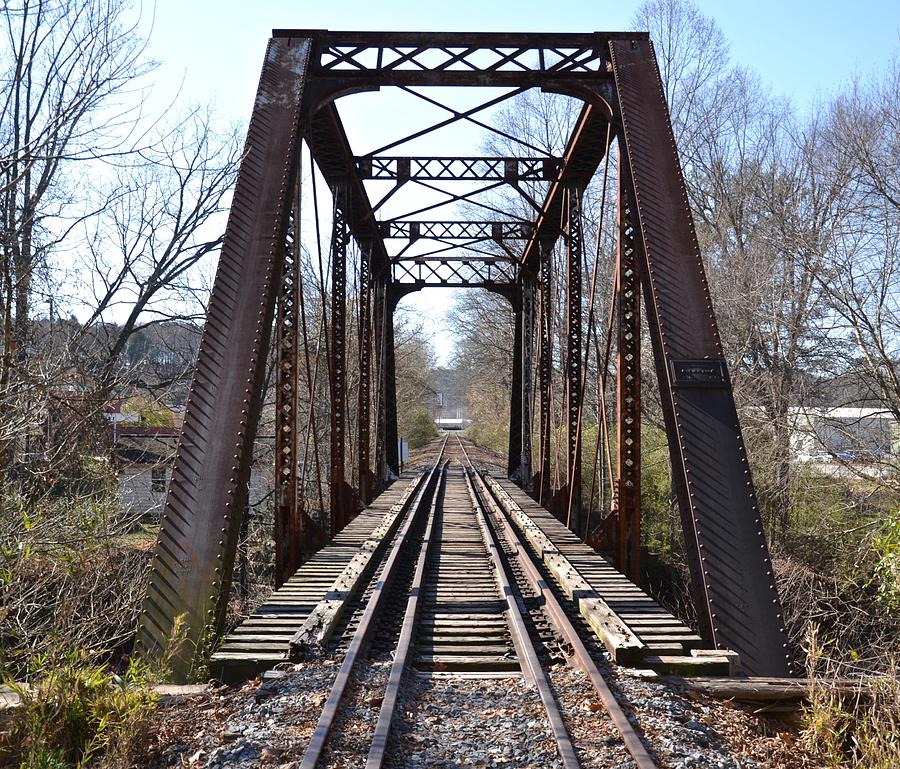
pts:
[392, 457]
[365, 373]
[288, 532]
[516, 406]
[628, 390]
[340, 238]
[527, 313]
[545, 364]
[574, 246]
[380, 329]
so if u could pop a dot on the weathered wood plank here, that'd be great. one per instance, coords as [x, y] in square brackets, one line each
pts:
[318, 627]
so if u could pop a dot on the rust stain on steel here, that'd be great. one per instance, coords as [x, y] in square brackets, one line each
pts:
[195, 552]
[627, 505]
[731, 572]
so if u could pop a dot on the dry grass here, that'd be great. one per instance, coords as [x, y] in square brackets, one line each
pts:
[856, 731]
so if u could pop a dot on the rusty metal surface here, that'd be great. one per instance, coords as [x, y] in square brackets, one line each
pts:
[340, 239]
[730, 568]
[294, 532]
[195, 553]
[456, 230]
[485, 272]
[364, 396]
[573, 364]
[458, 58]
[453, 168]
[519, 454]
[545, 370]
[516, 402]
[628, 393]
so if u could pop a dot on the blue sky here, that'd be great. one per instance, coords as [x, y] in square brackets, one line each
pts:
[801, 49]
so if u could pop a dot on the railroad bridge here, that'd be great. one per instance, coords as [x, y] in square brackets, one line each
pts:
[303, 193]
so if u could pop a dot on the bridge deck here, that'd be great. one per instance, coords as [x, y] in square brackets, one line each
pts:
[669, 643]
[262, 640]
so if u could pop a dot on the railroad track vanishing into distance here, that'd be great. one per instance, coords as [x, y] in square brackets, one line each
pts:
[457, 592]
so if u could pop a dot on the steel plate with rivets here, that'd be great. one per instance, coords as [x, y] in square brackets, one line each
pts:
[731, 573]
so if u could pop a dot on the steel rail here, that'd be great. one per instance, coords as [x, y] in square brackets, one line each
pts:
[330, 710]
[566, 629]
[378, 749]
[524, 647]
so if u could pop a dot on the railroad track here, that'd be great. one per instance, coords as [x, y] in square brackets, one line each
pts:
[468, 583]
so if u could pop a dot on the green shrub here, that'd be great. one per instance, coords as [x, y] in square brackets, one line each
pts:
[887, 569]
[490, 435]
[150, 412]
[418, 428]
[77, 712]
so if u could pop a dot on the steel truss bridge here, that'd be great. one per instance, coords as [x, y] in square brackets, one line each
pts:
[331, 334]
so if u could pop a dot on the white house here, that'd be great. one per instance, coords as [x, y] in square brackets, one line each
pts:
[847, 433]
[144, 456]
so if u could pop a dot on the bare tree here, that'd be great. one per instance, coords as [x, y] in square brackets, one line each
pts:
[859, 146]
[763, 209]
[164, 217]
[67, 65]
[414, 367]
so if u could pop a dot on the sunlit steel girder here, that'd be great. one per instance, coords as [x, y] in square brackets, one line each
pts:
[455, 58]
[487, 169]
[455, 230]
[461, 271]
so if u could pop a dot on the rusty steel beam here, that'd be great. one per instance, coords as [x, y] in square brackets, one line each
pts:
[372, 59]
[295, 534]
[391, 451]
[340, 240]
[529, 291]
[455, 168]
[472, 272]
[364, 394]
[287, 525]
[545, 369]
[519, 454]
[573, 395]
[627, 510]
[516, 403]
[381, 315]
[192, 567]
[455, 230]
[731, 574]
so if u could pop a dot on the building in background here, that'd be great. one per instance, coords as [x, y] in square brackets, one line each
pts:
[143, 456]
[844, 433]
